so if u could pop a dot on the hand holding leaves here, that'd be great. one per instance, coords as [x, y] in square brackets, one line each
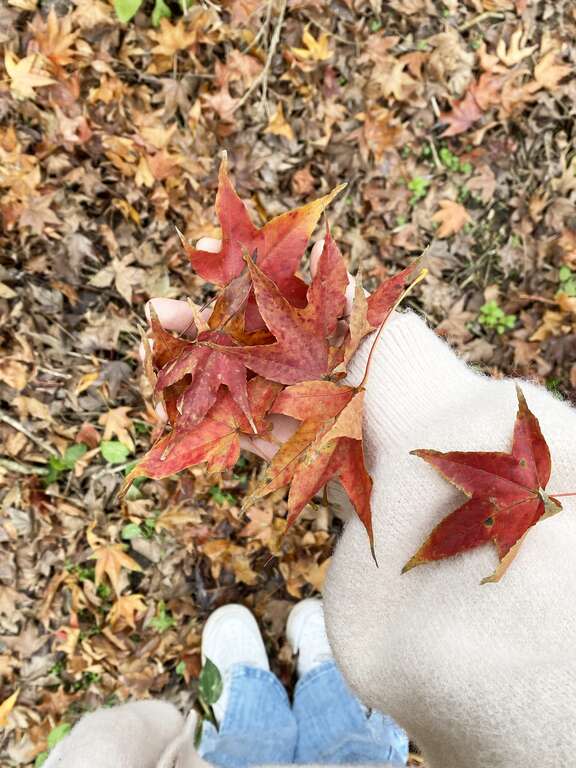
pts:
[221, 380]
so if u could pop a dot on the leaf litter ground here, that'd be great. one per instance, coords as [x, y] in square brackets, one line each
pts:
[451, 124]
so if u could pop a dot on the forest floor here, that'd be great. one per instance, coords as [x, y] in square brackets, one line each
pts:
[453, 124]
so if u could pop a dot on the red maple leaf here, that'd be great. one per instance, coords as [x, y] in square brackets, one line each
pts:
[215, 440]
[270, 347]
[301, 349]
[507, 495]
[280, 243]
[327, 445]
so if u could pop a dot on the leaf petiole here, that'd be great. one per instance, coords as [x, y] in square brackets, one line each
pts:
[418, 279]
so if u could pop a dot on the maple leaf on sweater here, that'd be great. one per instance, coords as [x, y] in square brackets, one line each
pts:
[506, 493]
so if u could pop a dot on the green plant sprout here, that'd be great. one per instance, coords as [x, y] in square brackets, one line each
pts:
[59, 464]
[209, 691]
[493, 317]
[419, 188]
[567, 281]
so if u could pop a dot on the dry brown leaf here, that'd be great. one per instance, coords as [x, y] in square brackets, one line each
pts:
[126, 610]
[516, 50]
[315, 49]
[53, 38]
[110, 559]
[30, 406]
[13, 373]
[451, 217]
[278, 124]
[26, 74]
[7, 706]
[118, 424]
[548, 73]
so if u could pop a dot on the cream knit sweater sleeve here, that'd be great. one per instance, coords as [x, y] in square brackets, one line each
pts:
[479, 676]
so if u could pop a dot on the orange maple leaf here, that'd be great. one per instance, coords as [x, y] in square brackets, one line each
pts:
[452, 217]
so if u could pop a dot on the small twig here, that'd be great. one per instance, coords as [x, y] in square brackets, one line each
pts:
[437, 162]
[541, 299]
[329, 32]
[263, 29]
[405, 292]
[479, 19]
[262, 78]
[111, 470]
[21, 469]
[20, 428]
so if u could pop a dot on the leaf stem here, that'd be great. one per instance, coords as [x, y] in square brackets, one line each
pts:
[557, 495]
[405, 292]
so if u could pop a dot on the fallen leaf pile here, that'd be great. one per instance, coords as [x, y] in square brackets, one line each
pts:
[294, 337]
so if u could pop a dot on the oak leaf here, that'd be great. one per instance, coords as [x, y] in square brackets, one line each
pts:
[516, 50]
[506, 493]
[548, 73]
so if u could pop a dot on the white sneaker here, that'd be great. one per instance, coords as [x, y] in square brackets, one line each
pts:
[306, 634]
[232, 636]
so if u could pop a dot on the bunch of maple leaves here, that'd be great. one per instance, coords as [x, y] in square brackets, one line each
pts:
[272, 344]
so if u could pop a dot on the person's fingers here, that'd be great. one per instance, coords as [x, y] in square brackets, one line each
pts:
[161, 411]
[210, 244]
[315, 254]
[283, 427]
[173, 314]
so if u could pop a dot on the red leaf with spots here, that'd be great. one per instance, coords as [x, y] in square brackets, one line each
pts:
[506, 495]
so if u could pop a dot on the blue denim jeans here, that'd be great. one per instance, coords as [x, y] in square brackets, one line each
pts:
[326, 723]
